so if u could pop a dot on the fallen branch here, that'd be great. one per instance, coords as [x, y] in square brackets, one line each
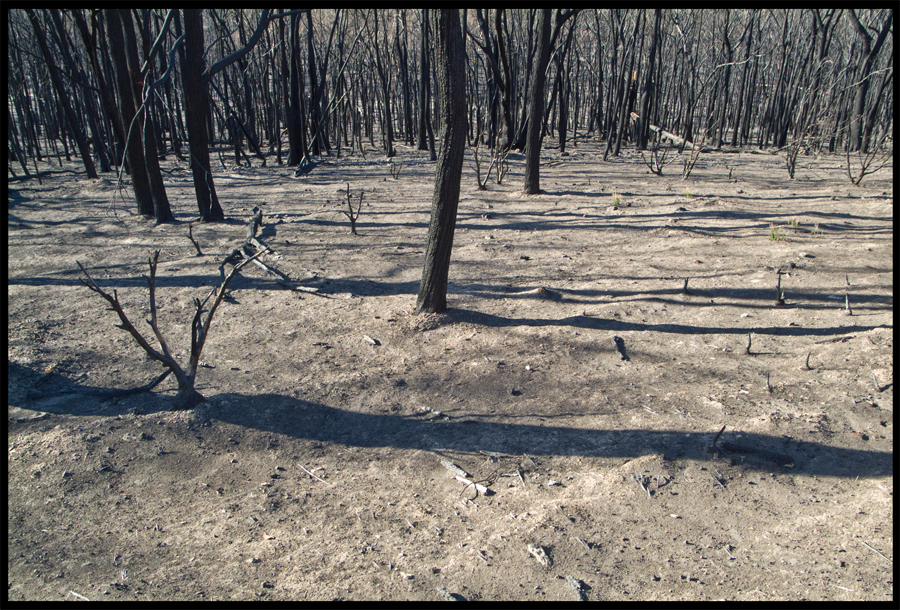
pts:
[478, 487]
[671, 136]
[780, 458]
[253, 247]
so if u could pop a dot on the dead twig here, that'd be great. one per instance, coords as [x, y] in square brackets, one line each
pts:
[81, 597]
[311, 474]
[877, 552]
[841, 339]
[713, 448]
[640, 481]
[194, 241]
[806, 366]
[717, 481]
[581, 542]
[476, 484]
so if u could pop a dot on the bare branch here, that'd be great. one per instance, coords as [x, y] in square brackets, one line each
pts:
[199, 331]
[223, 63]
[126, 323]
[162, 33]
[151, 282]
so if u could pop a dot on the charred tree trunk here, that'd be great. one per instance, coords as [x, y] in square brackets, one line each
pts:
[536, 106]
[134, 151]
[870, 52]
[424, 84]
[450, 61]
[74, 125]
[144, 127]
[647, 93]
[196, 105]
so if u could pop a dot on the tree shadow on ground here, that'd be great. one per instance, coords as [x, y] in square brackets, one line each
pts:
[304, 420]
[590, 322]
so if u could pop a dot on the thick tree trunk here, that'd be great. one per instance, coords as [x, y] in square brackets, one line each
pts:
[536, 106]
[504, 85]
[144, 127]
[450, 58]
[134, 150]
[197, 111]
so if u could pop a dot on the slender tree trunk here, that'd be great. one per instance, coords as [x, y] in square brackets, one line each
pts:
[424, 85]
[315, 113]
[870, 52]
[74, 125]
[450, 60]
[628, 84]
[644, 112]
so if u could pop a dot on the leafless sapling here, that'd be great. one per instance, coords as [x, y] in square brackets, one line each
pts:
[868, 160]
[690, 160]
[482, 184]
[497, 158]
[659, 158]
[353, 216]
[502, 165]
[187, 397]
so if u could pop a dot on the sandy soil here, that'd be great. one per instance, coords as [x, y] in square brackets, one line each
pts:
[315, 469]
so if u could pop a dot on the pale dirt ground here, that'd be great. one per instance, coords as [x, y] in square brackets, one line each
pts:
[123, 499]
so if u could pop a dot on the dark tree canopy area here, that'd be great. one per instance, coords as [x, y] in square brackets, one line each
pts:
[121, 89]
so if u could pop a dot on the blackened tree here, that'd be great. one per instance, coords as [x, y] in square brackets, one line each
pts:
[450, 64]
